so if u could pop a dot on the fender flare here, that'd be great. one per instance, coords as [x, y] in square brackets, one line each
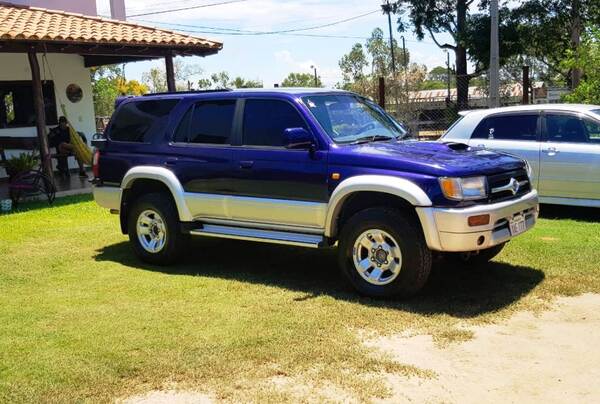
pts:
[400, 187]
[165, 176]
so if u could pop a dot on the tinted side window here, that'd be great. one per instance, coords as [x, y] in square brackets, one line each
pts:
[181, 134]
[207, 122]
[508, 127]
[212, 122]
[593, 130]
[265, 121]
[565, 128]
[137, 121]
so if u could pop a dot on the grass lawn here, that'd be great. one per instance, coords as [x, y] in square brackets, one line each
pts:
[82, 320]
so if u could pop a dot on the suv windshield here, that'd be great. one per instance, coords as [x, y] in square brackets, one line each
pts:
[350, 118]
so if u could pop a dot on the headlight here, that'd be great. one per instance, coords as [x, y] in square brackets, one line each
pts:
[529, 170]
[463, 189]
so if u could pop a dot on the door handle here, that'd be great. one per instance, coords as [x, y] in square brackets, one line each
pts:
[171, 161]
[551, 151]
[246, 164]
[481, 145]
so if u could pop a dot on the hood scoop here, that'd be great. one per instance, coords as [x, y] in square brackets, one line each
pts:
[457, 146]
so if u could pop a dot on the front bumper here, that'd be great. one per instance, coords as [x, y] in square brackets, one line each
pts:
[447, 229]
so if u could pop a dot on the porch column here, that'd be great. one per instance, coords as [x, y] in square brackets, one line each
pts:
[170, 73]
[40, 113]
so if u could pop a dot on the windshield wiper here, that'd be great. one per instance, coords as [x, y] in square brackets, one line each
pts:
[369, 139]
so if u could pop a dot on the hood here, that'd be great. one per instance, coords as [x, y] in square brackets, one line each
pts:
[430, 158]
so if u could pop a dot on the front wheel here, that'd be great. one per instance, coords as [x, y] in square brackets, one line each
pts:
[382, 254]
[154, 230]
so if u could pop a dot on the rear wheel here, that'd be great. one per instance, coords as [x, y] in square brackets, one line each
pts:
[382, 254]
[154, 230]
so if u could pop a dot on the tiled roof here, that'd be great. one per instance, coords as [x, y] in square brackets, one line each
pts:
[39, 24]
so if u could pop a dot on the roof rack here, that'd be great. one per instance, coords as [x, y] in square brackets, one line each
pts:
[189, 92]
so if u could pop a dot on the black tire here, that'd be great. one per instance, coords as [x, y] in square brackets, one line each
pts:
[416, 257]
[175, 240]
[476, 258]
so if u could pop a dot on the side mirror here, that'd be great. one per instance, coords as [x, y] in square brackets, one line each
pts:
[297, 138]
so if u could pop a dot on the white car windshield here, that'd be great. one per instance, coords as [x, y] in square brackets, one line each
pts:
[350, 119]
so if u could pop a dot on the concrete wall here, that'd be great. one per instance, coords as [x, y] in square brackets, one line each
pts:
[87, 7]
[66, 69]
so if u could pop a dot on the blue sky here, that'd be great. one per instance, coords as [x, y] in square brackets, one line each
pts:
[271, 57]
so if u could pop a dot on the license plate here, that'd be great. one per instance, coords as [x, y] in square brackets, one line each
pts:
[517, 225]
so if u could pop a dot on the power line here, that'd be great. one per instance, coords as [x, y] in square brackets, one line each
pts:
[187, 8]
[246, 32]
[203, 29]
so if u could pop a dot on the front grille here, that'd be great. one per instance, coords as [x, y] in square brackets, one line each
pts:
[499, 185]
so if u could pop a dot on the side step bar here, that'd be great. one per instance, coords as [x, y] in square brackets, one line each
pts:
[266, 236]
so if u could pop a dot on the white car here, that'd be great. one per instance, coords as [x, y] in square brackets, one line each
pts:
[561, 142]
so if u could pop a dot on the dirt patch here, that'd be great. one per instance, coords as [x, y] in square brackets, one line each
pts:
[550, 357]
[169, 397]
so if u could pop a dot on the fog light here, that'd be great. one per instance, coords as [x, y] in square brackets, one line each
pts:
[479, 220]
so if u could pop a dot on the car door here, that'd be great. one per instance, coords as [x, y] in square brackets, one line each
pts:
[516, 133]
[570, 156]
[276, 185]
[201, 156]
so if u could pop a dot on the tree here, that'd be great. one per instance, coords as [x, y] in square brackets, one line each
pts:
[438, 73]
[240, 82]
[548, 28]
[107, 84]
[470, 35]
[353, 67]
[378, 48]
[587, 58]
[301, 80]
[221, 80]
[156, 77]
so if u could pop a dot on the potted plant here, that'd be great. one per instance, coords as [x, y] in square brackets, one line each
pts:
[21, 163]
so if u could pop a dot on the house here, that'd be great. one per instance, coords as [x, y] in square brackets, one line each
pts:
[46, 55]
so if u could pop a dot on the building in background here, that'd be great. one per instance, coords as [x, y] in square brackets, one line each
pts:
[60, 45]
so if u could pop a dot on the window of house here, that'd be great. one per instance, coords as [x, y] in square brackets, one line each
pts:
[138, 121]
[508, 127]
[207, 122]
[266, 120]
[16, 104]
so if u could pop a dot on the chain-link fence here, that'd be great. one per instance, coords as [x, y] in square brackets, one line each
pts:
[429, 113]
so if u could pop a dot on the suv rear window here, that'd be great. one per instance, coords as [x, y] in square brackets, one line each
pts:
[137, 121]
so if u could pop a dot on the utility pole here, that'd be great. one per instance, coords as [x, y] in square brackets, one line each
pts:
[575, 41]
[387, 9]
[316, 77]
[448, 72]
[494, 57]
[405, 66]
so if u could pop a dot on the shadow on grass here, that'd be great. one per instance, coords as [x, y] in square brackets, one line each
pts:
[43, 204]
[456, 291]
[580, 214]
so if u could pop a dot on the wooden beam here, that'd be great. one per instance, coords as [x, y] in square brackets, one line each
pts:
[170, 74]
[40, 113]
[94, 48]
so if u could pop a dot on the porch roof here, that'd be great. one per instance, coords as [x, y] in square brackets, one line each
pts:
[99, 40]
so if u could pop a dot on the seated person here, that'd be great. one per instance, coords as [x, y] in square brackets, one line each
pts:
[60, 139]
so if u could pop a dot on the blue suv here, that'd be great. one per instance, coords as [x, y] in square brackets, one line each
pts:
[309, 168]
